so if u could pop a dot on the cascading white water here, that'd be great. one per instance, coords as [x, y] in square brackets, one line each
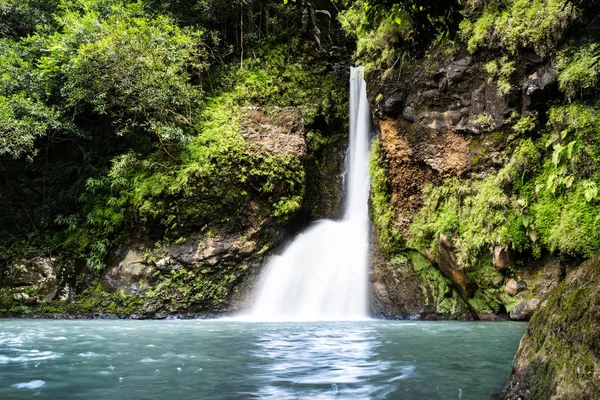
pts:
[323, 273]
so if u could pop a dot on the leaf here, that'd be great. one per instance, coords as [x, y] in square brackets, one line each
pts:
[558, 149]
[398, 20]
[569, 181]
[533, 235]
[570, 149]
[550, 141]
[551, 183]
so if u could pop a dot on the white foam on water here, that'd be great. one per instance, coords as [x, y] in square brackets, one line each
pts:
[149, 360]
[90, 354]
[35, 384]
[28, 356]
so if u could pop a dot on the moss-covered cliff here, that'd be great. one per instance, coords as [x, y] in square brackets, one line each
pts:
[559, 357]
[486, 164]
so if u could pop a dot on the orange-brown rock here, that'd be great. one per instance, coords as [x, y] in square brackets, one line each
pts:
[414, 156]
[283, 132]
[502, 258]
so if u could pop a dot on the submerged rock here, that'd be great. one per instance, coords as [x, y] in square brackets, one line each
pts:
[559, 356]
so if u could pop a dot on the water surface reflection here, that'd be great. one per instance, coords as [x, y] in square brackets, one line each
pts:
[233, 360]
[323, 363]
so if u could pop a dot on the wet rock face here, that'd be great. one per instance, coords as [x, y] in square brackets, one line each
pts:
[413, 158]
[282, 132]
[524, 310]
[455, 94]
[395, 292]
[33, 281]
[436, 119]
[559, 356]
[447, 117]
[131, 274]
[206, 274]
[449, 267]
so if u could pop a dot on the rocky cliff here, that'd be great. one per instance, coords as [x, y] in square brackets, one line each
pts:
[447, 121]
[559, 357]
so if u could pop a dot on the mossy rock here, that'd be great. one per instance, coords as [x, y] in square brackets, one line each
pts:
[559, 357]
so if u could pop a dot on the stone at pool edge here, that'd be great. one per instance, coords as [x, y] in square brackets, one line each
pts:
[524, 310]
[33, 281]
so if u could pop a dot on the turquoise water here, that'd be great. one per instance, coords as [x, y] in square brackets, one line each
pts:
[109, 359]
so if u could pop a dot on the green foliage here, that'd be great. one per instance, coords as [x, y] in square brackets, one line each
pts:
[578, 69]
[181, 290]
[565, 214]
[500, 71]
[137, 71]
[389, 33]
[377, 48]
[525, 124]
[22, 121]
[21, 17]
[546, 195]
[474, 214]
[568, 224]
[279, 78]
[516, 24]
[92, 300]
[525, 159]
[382, 213]
[436, 286]
[114, 120]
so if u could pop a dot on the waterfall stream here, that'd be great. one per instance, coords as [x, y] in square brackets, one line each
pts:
[323, 273]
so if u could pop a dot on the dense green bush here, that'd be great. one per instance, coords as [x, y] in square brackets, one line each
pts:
[516, 24]
[390, 34]
[119, 116]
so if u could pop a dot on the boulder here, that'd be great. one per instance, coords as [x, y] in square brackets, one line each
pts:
[511, 288]
[559, 356]
[524, 310]
[33, 281]
[131, 274]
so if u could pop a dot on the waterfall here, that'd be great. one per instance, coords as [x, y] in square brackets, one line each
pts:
[323, 273]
